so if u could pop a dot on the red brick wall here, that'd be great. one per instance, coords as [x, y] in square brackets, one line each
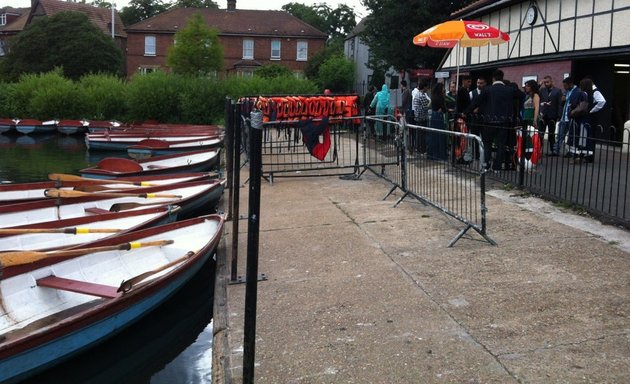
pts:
[555, 69]
[232, 51]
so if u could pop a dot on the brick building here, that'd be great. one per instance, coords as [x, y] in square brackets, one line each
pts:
[250, 39]
[18, 19]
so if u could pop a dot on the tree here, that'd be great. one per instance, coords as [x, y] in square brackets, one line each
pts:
[272, 71]
[139, 10]
[336, 74]
[196, 4]
[197, 49]
[391, 26]
[336, 23]
[67, 40]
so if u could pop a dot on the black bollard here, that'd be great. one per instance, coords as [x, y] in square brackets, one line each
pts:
[253, 228]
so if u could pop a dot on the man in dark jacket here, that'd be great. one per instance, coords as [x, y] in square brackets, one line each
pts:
[550, 110]
[496, 106]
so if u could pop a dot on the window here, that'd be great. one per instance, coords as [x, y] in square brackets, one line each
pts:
[3, 19]
[246, 73]
[275, 49]
[248, 49]
[2, 53]
[149, 45]
[145, 70]
[302, 50]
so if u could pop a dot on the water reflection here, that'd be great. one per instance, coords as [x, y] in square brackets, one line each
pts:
[175, 341]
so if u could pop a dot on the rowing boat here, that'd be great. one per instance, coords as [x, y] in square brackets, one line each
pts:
[71, 232]
[157, 147]
[113, 167]
[27, 126]
[52, 312]
[70, 127]
[23, 192]
[194, 196]
[122, 141]
[6, 125]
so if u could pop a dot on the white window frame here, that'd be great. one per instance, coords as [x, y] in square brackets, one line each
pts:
[3, 19]
[278, 56]
[148, 45]
[304, 55]
[248, 49]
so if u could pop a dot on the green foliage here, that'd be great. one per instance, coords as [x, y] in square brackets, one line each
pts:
[336, 23]
[336, 74]
[197, 51]
[47, 96]
[196, 4]
[272, 71]
[68, 40]
[330, 51]
[391, 26]
[168, 98]
[139, 10]
[154, 96]
[104, 97]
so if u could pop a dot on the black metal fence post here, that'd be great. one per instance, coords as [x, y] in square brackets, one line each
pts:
[251, 289]
[229, 144]
[235, 188]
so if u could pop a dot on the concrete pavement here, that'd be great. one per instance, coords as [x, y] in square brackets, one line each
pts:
[360, 292]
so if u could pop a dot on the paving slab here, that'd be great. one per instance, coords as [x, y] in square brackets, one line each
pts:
[361, 292]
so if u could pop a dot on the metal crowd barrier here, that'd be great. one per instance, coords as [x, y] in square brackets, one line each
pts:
[428, 167]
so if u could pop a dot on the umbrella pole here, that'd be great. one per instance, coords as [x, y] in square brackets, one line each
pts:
[457, 64]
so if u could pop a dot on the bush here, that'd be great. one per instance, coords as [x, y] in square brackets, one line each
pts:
[154, 96]
[105, 97]
[7, 104]
[47, 96]
[201, 100]
[336, 74]
[272, 71]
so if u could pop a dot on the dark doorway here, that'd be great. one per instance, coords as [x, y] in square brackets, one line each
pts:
[612, 78]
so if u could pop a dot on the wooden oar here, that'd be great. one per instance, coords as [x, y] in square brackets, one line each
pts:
[126, 285]
[73, 231]
[64, 193]
[74, 178]
[117, 207]
[100, 187]
[9, 259]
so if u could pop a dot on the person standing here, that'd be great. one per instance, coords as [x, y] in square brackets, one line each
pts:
[367, 110]
[550, 111]
[381, 103]
[406, 102]
[571, 99]
[531, 106]
[463, 98]
[496, 104]
[436, 142]
[421, 113]
[595, 103]
[451, 99]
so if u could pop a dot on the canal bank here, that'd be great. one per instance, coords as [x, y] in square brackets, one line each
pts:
[362, 292]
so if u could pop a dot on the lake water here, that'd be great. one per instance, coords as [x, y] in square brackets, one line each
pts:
[172, 344]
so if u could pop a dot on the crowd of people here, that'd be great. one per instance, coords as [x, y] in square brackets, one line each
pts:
[494, 110]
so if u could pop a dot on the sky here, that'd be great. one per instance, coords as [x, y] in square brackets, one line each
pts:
[359, 9]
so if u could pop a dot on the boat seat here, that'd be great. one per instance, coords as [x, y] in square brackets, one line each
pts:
[93, 289]
[96, 210]
[119, 164]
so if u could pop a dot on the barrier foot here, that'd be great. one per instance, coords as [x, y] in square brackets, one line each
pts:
[463, 232]
[243, 279]
[400, 200]
[390, 192]
[352, 176]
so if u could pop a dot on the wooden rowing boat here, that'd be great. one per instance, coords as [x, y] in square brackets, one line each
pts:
[52, 312]
[27, 126]
[23, 192]
[195, 196]
[120, 142]
[112, 167]
[71, 232]
[157, 147]
[70, 127]
[6, 125]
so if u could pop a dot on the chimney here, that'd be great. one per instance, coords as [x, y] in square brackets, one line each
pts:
[231, 5]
